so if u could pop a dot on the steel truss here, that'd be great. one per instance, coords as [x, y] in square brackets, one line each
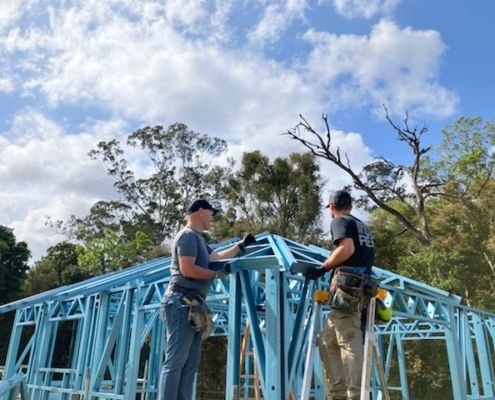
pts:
[117, 337]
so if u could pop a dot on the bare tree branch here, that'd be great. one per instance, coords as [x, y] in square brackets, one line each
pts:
[320, 146]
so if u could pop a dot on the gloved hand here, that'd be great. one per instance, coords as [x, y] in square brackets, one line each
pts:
[315, 272]
[246, 241]
[223, 272]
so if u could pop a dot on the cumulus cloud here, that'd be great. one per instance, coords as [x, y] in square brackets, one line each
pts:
[275, 19]
[151, 62]
[148, 71]
[145, 69]
[392, 66]
[46, 171]
[6, 85]
[10, 11]
[364, 8]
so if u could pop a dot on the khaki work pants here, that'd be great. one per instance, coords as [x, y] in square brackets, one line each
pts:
[341, 351]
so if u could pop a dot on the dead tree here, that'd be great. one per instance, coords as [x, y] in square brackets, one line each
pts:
[382, 180]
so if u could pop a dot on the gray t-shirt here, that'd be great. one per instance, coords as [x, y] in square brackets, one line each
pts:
[189, 242]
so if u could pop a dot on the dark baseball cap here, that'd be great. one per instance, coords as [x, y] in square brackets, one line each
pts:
[200, 203]
[340, 198]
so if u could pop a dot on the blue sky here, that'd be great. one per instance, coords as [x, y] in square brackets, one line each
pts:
[75, 72]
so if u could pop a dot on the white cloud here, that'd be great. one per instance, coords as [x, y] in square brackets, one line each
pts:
[364, 8]
[275, 19]
[10, 11]
[46, 171]
[6, 85]
[187, 12]
[143, 68]
[392, 66]
[149, 72]
[150, 62]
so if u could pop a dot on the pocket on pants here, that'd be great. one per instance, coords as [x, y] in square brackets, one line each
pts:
[170, 314]
[344, 302]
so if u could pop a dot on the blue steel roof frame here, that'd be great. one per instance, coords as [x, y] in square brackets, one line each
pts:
[102, 305]
[14, 388]
[423, 310]
[468, 339]
[94, 285]
[274, 346]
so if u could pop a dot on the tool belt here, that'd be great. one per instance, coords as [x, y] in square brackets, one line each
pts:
[199, 315]
[189, 293]
[350, 291]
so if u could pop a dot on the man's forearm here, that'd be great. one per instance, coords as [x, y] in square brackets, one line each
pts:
[189, 269]
[197, 272]
[231, 252]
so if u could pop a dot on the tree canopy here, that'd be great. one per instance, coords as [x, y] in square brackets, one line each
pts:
[180, 164]
[425, 216]
[14, 258]
[59, 267]
[282, 196]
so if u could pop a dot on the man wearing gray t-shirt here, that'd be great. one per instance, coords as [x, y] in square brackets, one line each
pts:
[190, 279]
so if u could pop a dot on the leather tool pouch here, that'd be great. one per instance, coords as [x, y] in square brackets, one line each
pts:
[200, 318]
[347, 290]
[370, 287]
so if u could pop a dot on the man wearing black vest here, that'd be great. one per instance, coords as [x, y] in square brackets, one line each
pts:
[341, 340]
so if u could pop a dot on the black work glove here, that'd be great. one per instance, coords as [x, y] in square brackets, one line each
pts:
[246, 241]
[223, 272]
[315, 272]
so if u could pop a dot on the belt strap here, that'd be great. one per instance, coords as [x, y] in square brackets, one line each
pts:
[355, 269]
[189, 293]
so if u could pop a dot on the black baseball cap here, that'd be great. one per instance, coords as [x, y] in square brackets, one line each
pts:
[341, 199]
[200, 203]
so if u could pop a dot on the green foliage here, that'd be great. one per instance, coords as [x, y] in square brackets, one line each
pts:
[14, 256]
[438, 267]
[461, 253]
[282, 196]
[467, 227]
[391, 239]
[467, 156]
[59, 267]
[386, 180]
[428, 370]
[180, 165]
[111, 253]
[13, 264]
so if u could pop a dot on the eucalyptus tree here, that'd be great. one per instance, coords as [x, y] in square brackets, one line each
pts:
[282, 196]
[14, 256]
[59, 267]
[180, 164]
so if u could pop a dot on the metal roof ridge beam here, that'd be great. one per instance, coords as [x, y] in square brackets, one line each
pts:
[282, 252]
[388, 277]
[54, 293]
[108, 282]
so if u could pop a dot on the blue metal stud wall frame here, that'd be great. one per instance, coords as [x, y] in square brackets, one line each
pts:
[113, 316]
